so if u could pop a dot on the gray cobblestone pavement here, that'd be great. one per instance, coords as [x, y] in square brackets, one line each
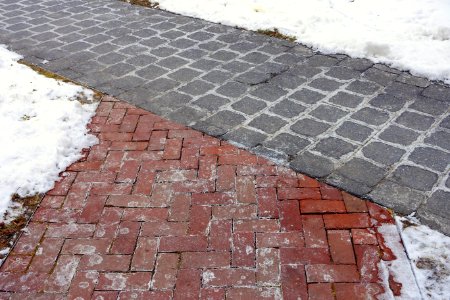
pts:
[367, 128]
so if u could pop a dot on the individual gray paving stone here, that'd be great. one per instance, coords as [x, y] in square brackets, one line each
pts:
[347, 184]
[186, 115]
[388, 102]
[415, 177]
[111, 58]
[253, 78]
[346, 99]
[173, 99]
[288, 59]
[205, 64]
[163, 51]
[363, 87]
[145, 33]
[105, 48]
[212, 45]
[321, 61]
[287, 143]
[440, 139]
[182, 43]
[191, 27]
[362, 171]
[312, 165]
[172, 62]
[153, 42]
[325, 84]
[172, 34]
[379, 76]
[237, 66]
[244, 47]
[184, 74]
[255, 57]
[95, 78]
[415, 121]
[342, 73]
[211, 102]
[271, 68]
[209, 128]
[288, 81]
[164, 26]
[97, 39]
[383, 153]
[197, 87]
[200, 36]
[119, 69]
[438, 92]
[75, 47]
[387, 69]
[309, 127]
[216, 76]
[403, 91]
[230, 38]
[432, 158]
[223, 55]
[439, 204]
[305, 71]
[267, 123]
[307, 96]
[429, 106]
[402, 199]
[126, 83]
[371, 116]
[141, 60]
[192, 53]
[117, 31]
[246, 137]
[334, 147]
[268, 92]
[354, 131]
[358, 64]
[413, 80]
[288, 109]
[328, 113]
[151, 72]
[249, 106]
[125, 40]
[225, 119]
[445, 123]
[232, 89]
[399, 135]
[161, 84]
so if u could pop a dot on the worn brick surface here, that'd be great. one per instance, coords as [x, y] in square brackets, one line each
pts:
[247, 230]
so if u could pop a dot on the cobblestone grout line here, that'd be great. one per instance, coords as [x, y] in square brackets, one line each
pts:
[370, 129]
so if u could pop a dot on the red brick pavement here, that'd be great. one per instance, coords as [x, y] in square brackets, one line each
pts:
[160, 211]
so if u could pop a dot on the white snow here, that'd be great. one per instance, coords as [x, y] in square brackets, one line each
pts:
[429, 252]
[43, 129]
[411, 35]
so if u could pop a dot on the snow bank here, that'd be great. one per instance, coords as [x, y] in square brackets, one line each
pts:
[412, 35]
[43, 129]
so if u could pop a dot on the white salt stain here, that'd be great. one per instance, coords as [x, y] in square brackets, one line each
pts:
[118, 281]
[95, 259]
[248, 250]
[208, 276]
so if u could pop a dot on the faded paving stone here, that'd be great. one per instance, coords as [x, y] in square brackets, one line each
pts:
[429, 106]
[328, 113]
[432, 158]
[398, 135]
[197, 87]
[225, 119]
[268, 92]
[325, 84]
[288, 80]
[362, 171]
[249, 105]
[403, 91]
[311, 164]
[363, 87]
[267, 123]
[288, 109]
[414, 177]
[246, 137]
[346, 99]
[334, 147]
[309, 127]
[288, 143]
[211, 102]
[371, 116]
[415, 120]
[348, 184]
[438, 92]
[216, 76]
[342, 73]
[232, 89]
[440, 139]
[186, 115]
[383, 153]
[359, 64]
[307, 96]
[354, 131]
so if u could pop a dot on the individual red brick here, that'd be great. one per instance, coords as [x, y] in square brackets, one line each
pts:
[136, 111]
[243, 249]
[219, 150]
[129, 123]
[101, 188]
[298, 193]
[52, 201]
[354, 204]
[161, 195]
[76, 197]
[72, 230]
[95, 176]
[144, 182]
[293, 282]
[345, 291]
[199, 186]
[329, 192]
[92, 165]
[290, 219]
[188, 284]
[304, 256]
[167, 125]
[145, 214]
[259, 225]
[183, 243]
[184, 133]
[324, 206]
[128, 171]
[279, 239]
[380, 214]
[51, 215]
[200, 260]
[144, 295]
[287, 182]
[86, 246]
[62, 186]
[116, 136]
[126, 238]
[46, 254]
[93, 210]
[266, 181]
[127, 146]
[109, 222]
[166, 271]
[16, 264]
[200, 142]
[207, 167]
[177, 175]
[212, 293]
[18, 282]
[113, 161]
[267, 266]
[213, 199]
[338, 221]
[253, 293]
[341, 247]
[364, 237]
[368, 258]
[105, 263]
[129, 201]
[29, 239]
[82, 285]
[104, 108]
[332, 273]
[267, 202]
[141, 136]
[99, 152]
[228, 277]
[61, 277]
[314, 231]
[199, 221]
[164, 228]
[226, 178]
[220, 235]
[116, 116]
[245, 189]
[124, 281]
[172, 149]
[257, 170]
[320, 291]
[234, 212]
[189, 158]
[307, 182]
[179, 210]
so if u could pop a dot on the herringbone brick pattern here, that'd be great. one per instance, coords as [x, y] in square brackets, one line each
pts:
[160, 211]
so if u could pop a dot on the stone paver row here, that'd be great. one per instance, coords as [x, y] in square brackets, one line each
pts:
[160, 211]
[372, 130]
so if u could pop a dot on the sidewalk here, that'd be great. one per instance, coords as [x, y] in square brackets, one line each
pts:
[157, 210]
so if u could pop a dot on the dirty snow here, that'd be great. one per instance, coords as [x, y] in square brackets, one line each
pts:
[429, 252]
[412, 35]
[43, 129]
